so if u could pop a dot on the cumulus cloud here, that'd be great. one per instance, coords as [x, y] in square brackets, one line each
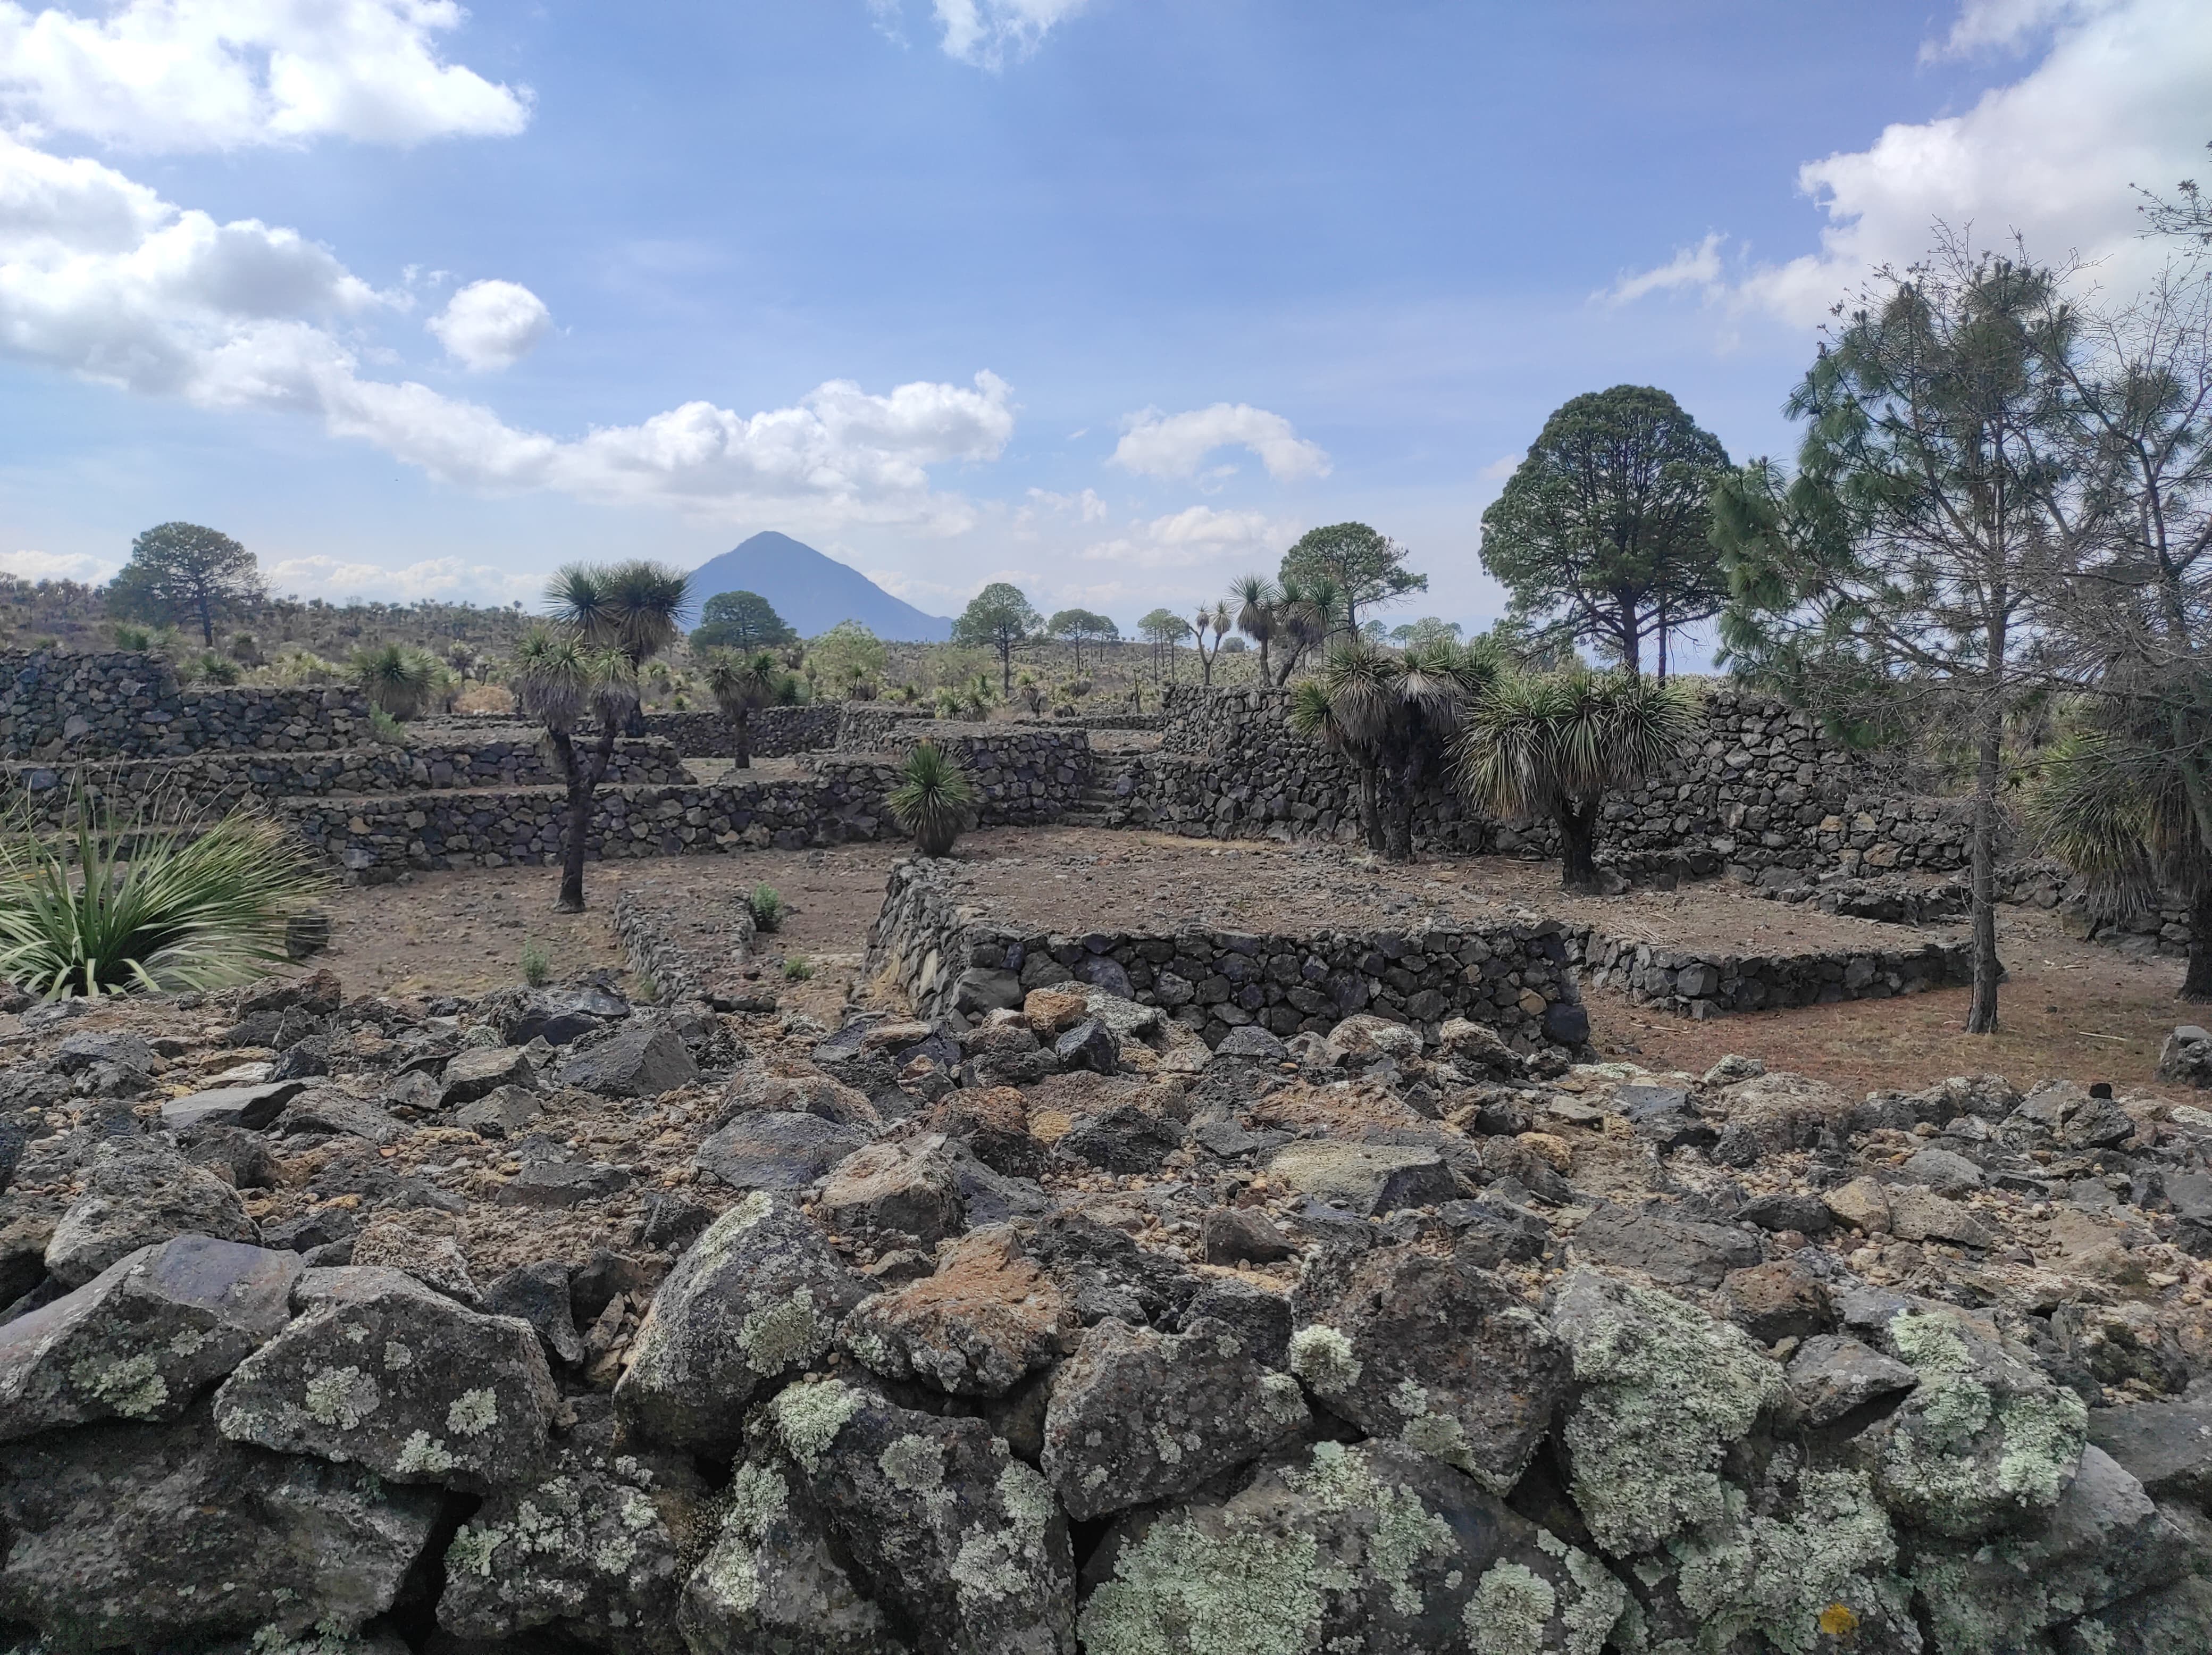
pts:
[986, 33]
[1196, 539]
[1087, 507]
[100, 277]
[28, 565]
[1175, 445]
[491, 325]
[2117, 98]
[433, 577]
[225, 74]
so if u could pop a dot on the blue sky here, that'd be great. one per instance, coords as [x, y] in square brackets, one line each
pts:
[1107, 297]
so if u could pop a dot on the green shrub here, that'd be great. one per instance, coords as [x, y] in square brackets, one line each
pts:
[128, 636]
[209, 667]
[797, 969]
[97, 908]
[382, 727]
[537, 968]
[766, 905]
[648, 987]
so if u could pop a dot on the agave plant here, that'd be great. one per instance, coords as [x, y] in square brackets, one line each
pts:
[1555, 744]
[99, 907]
[934, 800]
[399, 681]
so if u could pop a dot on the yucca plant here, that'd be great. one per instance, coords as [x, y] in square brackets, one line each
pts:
[398, 680]
[741, 685]
[559, 679]
[96, 907]
[934, 800]
[1556, 744]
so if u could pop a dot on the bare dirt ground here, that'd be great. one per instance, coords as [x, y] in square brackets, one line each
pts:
[2069, 1008]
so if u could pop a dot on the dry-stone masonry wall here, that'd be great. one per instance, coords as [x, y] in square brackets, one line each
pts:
[1691, 984]
[953, 959]
[775, 732]
[125, 705]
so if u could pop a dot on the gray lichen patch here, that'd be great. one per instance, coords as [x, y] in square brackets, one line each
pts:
[1322, 1357]
[783, 1333]
[809, 1416]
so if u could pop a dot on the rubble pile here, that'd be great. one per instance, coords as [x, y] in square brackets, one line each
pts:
[552, 1322]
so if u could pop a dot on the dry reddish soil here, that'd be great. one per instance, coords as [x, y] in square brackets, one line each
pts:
[2069, 1008]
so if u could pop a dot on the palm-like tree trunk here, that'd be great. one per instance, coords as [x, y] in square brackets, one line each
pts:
[1578, 821]
[1982, 1008]
[584, 772]
[2196, 981]
[743, 761]
[1370, 806]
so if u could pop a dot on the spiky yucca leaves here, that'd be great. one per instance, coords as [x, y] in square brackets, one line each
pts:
[99, 907]
[742, 685]
[2118, 810]
[1256, 598]
[637, 606]
[934, 800]
[1555, 745]
[560, 679]
[398, 679]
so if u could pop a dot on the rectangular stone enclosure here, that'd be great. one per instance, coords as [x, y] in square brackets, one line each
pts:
[955, 958]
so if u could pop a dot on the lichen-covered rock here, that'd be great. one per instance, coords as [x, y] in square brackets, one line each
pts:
[381, 1371]
[136, 1195]
[2103, 1542]
[424, 1243]
[596, 1548]
[754, 1301]
[1107, 1274]
[1137, 1416]
[1684, 1252]
[1437, 1355]
[1374, 1548]
[986, 1320]
[909, 1187]
[143, 1338]
[1368, 1178]
[1985, 1441]
[1663, 1390]
[778, 1149]
[160, 1535]
[770, 1581]
[1832, 1375]
[962, 1544]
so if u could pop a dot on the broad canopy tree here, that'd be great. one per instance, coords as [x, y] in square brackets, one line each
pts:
[182, 573]
[741, 621]
[1078, 627]
[999, 618]
[1364, 568]
[1604, 529]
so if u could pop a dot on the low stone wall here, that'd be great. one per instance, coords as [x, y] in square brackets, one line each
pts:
[1023, 777]
[209, 784]
[126, 704]
[1691, 984]
[776, 732]
[866, 725]
[953, 960]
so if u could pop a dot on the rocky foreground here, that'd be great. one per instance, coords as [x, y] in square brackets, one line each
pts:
[550, 1322]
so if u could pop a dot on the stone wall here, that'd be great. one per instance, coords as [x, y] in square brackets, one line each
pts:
[1023, 777]
[953, 960]
[126, 704]
[1761, 793]
[1691, 984]
[776, 732]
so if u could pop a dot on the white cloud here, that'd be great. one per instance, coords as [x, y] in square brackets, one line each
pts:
[986, 32]
[1086, 508]
[1174, 445]
[2118, 98]
[222, 74]
[1690, 267]
[28, 565]
[1195, 538]
[433, 577]
[491, 325]
[1501, 468]
[100, 277]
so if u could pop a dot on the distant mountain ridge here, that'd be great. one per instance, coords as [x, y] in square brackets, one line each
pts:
[812, 592]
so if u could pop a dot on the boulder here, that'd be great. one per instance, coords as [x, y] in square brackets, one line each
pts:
[1681, 1252]
[238, 1156]
[538, 1293]
[136, 1195]
[471, 1074]
[1861, 1204]
[979, 989]
[329, 1109]
[761, 1093]
[1807, 1214]
[962, 1542]
[1232, 1235]
[1051, 1012]
[641, 1060]
[596, 1549]
[1436, 1355]
[1778, 1300]
[1123, 1138]
[422, 1242]
[771, 1581]
[782, 1150]
[1832, 1375]
[1371, 1548]
[252, 1107]
[1254, 1043]
[1942, 1171]
[1363, 1038]
[380, 1371]
[1367, 1179]
[1985, 1442]
[1260, 1319]
[1138, 1415]
[503, 1112]
[983, 1323]
[994, 1122]
[142, 1339]
[1477, 1050]
[1918, 1214]
[911, 1187]
[159, 1535]
[1663, 1390]
[1089, 1045]
[556, 1016]
[2166, 1446]
[564, 1184]
[2186, 1057]
[756, 1300]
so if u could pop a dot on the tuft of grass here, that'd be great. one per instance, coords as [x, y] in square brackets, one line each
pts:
[537, 968]
[766, 905]
[648, 987]
[797, 969]
[382, 727]
[100, 908]
[128, 636]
